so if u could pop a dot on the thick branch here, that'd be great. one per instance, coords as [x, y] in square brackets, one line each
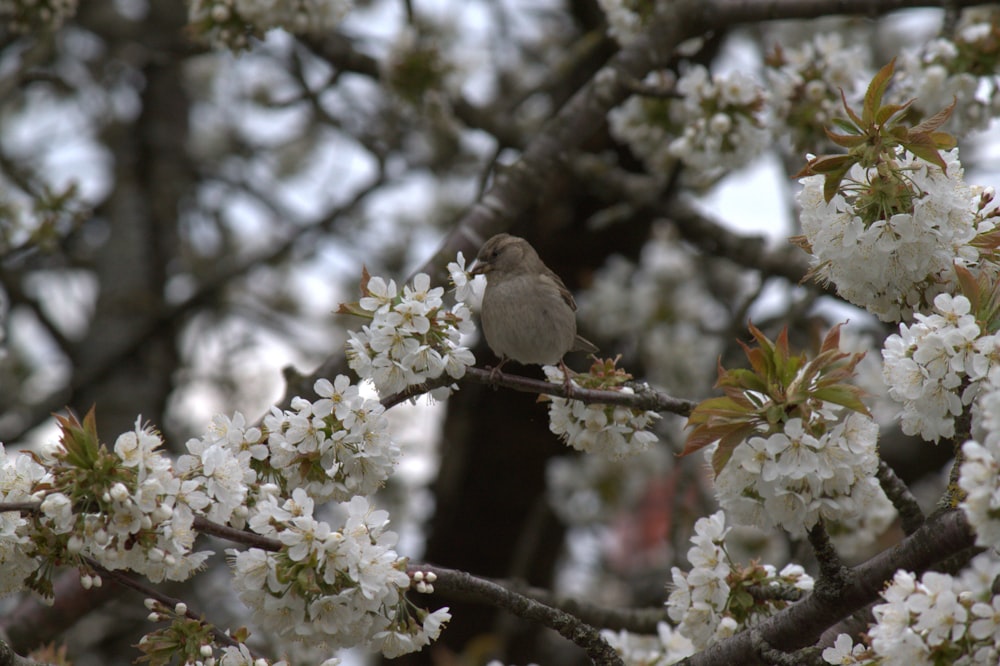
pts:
[801, 624]
[10, 658]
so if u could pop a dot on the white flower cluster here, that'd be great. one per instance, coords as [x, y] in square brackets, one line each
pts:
[856, 536]
[143, 523]
[412, 336]
[221, 460]
[334, 448]
[339, 587]
[666, 647]
[936, 619]
[716, 126]
[934, 366]
[225, 23]
[130, 508]
[980, 471]
[699, 598]
[805, 84]
[613, 431]
[892, 266]
[942, 71]
[699, 602]
[792, 479]
[19, 475]
[26, 16]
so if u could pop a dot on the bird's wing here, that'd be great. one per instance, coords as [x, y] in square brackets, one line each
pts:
[558, 283]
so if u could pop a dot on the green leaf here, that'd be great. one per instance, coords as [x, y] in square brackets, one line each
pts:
[846, 141]
[847, 126]
[832, 183]
[843, 395]
[889, 110]
[875, 92]
[940, 118]
[927, 151]
[825, 164]
[850, 112]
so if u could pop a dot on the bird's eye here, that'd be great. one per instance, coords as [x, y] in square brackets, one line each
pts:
[495, 253]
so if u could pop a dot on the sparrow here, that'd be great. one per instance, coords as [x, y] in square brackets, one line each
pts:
[528, 314]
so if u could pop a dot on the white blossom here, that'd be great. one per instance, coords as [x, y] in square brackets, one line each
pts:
[412, 336]
[893, 267]
[792, 479]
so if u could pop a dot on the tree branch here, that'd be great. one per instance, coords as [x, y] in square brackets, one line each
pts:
[568, 626]
[899, 494]
[643, 398]
[149, 592]
[801, 624]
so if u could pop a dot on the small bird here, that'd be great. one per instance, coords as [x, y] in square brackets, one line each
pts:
[527, 312]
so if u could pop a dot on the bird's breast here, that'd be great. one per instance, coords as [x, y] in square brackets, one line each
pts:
[527, 320]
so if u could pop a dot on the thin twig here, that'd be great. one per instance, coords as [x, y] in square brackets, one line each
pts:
[568, 626]
[643, 398]
[118, 577]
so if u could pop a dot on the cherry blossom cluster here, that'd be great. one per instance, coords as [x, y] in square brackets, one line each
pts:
[892, 257]
[934, 366]
[962, 68]
[805, 472]
[412, 336]
[612, 431]
[703, 600]
[716, 126]
[328, 584]
[668, 646]
[936, 619]
[19, 477]
[854, 535]
[25, 16]
[229, 23]
[980, 472]
[335, 447]
[331, 586]
[126, 509]
[805, 85]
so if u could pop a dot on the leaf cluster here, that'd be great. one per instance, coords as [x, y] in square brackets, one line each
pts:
[871, 138]
[778, 386]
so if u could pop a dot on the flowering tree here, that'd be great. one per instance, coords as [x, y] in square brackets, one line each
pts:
[187, 189]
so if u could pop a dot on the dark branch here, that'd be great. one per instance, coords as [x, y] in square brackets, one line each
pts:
[899, 494]
[568, 626]
[643, 398]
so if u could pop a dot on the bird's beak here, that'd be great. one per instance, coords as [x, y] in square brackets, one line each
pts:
[479, 268]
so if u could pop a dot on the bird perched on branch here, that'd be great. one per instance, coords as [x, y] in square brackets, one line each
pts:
[528, 314]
